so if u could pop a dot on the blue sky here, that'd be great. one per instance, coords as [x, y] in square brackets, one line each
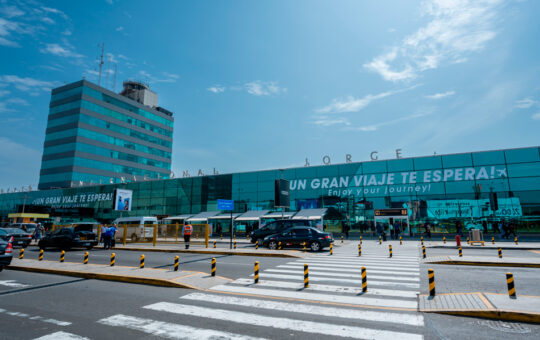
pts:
[265, 84]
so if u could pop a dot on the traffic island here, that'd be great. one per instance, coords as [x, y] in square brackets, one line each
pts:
[148, 276]
[504, 245]
[524, 308]
[493, 261]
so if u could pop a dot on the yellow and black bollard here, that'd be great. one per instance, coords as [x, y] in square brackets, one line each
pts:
[511, 287]
[306, 276]
[85, 260]
[234, 244]
[431, 279]
[390, 249]
[331, 249]
[460, 251]
[256, 275]
[364, 280]
[400, 241]
[380, 240]
[141, 262]
[234, 237]
[341, 238]
[360, 239]
[444, 240]
[279, 245]
[21, 254]
[304, 246]
[40, 258]
[221, 236]
[424, 252]
[176, 263]
[215, 243]
[113, 257]
[257, 244]
[422, 240]
[359, 249]
[515, 240]
[492, 240]
[468, 242]
[62, 254]
[213, 271]
[500, 253]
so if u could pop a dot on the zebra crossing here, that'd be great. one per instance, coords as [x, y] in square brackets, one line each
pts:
[333, 305]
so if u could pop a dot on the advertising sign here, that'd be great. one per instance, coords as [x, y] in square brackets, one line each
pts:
[281, 194]
[123, 199]
[225, 204]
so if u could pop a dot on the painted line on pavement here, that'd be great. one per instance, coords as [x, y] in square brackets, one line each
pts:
[351, 300]
[13, 284]
[402, 275]
[36, 317]
[413, 319]
[61, 336]
[169, 330]
[328, 288]
[358, 265]
[331, 279]
[281, 323]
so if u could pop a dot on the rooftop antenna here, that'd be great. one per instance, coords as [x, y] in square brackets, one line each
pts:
[107, 71]
[114, 79]
[101, 63]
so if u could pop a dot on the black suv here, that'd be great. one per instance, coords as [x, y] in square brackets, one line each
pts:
[67, 238]
[277, 227]
[313, 238]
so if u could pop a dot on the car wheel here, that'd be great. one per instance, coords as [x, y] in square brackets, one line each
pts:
[315, 246]
[272, 245]
[134, 238]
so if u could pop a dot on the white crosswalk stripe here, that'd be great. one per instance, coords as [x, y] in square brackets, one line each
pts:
[61, 336]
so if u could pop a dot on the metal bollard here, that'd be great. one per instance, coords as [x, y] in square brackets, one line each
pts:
[341, 238]
[359, 250]
[113, 257]
[400, 241]
[141, 262]
[257, 244]
[234, 244]
[460, 251]
[424, 252]
[380, 240]
[279, 245]
[213, 271]
[364, 280]
[306, 276]
[431, 279]
[215, 243]
[256, 276]
[62, 254]
[444, 240]
[515, 240]
[85, 260]
[40, 258]
[500, 253]
[21, 254]
[511, 287]
[390, 249]
[331, 249]
[492, 240]
[176, 263]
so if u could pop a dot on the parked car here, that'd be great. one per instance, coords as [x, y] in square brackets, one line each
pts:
[19, 236]
[6, 253]
[315, 239]
[276, 227]
[28, 227]
[67, 238]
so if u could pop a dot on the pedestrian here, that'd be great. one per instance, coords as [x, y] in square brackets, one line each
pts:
[391, 228]
[102, 234]
[428, 230]
[458, 228]
[112, 233]
[187, 230]
[345, 227]
[397, 230]
[106, 238]
[484, 226]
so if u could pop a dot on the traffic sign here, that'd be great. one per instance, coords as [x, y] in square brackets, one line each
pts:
[225, 204]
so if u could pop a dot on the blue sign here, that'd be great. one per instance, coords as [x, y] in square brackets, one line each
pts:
[225, 204]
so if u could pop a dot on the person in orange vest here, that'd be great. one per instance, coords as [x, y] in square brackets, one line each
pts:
[187, 230]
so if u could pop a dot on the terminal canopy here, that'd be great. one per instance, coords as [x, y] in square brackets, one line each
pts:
[310, 214]
[279, 214]
[224, 216]
[179, 217]
[203, 217]
[252, 215]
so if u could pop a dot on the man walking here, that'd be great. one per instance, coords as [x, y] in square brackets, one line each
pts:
[188, 229]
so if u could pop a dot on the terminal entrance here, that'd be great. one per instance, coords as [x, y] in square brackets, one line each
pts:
[391, 215]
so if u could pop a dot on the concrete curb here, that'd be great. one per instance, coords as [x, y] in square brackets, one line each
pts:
[486, 264]
[494, 314]
[490, 247]
[210, 251]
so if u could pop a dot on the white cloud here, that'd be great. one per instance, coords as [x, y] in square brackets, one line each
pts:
[329, 121]
[4, 93]
[441, 95]
[48, 20]
[351, 104]
[119, 28]
[536, 116]
[11, 11]
[8, 43]
[526, 103]
[216, 89]
[110, 2]
[456, 28]
[260, 88]
[25, 84]
[167, 77]
[60, 51]
[55, 11]
[374, 127]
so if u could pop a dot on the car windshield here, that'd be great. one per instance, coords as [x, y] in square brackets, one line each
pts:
[3, 232]
[14, 231]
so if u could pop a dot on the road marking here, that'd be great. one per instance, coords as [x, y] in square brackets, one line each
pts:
[402, 271]
[395, 275]
[370, 257]
[328, 288]
[312, 277]
[61, 336]
[169, 330]
[414, 319]
[358, 277]
[281, 323]
[12, 283]
[350, 300]
[37, 317]
[362, 261]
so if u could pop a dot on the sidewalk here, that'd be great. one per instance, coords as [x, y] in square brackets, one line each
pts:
[529, 262]
[451, 244]
[524, 308]
[149, 276]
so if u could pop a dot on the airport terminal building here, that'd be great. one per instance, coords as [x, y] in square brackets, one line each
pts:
[493, 186]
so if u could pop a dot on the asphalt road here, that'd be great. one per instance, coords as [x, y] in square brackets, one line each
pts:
[34, 305]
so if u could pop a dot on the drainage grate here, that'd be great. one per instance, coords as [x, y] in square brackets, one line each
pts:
[507, 327]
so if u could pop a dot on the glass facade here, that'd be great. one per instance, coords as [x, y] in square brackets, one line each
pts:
[95, 136]
[473, 188]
